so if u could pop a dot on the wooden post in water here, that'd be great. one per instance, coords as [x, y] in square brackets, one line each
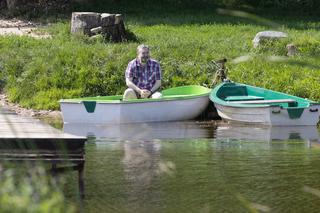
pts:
[221, 73]
[81, 179]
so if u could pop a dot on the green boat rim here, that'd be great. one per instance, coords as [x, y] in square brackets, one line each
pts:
[172, 94]
[214, 97]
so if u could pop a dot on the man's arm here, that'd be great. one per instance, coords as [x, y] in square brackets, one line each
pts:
[131, 85]
[156, 86]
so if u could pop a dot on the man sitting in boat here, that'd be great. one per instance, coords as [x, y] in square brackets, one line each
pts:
[143, 76]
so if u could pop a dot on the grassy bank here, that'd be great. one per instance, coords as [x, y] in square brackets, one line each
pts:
[37, 73]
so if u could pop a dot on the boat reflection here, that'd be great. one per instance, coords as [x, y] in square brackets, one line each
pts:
[265, 133]
[145, 131]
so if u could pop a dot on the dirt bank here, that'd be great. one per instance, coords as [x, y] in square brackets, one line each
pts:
[21, 27]
[4, 102]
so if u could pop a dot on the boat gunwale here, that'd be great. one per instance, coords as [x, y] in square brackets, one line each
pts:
[142, 101]
[137, 101]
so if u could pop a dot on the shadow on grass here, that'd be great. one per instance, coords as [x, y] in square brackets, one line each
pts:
[186, 12]
[215, 17]
[131, 37]
[183, 12]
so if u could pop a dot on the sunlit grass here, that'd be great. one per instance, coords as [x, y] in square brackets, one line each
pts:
[37, 73]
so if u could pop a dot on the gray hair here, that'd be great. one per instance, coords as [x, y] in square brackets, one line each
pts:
[142, 46]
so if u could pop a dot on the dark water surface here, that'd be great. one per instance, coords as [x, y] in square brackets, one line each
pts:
[199, 167]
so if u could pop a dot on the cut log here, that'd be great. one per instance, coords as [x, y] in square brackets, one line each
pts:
[83, 22]
[96, 30]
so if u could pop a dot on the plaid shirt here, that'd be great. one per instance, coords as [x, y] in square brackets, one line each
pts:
[144, 77]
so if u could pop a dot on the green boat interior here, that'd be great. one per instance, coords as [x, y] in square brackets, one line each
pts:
[241, 95]
[244, 94]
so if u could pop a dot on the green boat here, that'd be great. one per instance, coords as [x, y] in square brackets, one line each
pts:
[243, 103]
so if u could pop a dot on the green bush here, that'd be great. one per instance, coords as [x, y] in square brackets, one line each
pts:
[34, 192]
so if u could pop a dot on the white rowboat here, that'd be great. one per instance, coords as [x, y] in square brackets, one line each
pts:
[178, 103]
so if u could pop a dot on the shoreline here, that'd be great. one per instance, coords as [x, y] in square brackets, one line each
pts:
[41, 114]
[20, 27]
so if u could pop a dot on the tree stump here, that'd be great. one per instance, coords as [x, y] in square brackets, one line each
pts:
[221, 73]
[83, 22]
[110, 26]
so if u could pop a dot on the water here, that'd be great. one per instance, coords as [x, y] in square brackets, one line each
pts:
[199, 167]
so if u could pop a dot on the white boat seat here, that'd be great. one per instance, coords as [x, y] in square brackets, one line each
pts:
[243, 98]
[274, 101]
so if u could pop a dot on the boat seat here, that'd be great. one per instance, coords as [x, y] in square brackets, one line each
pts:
[243, 98]
[274, 101]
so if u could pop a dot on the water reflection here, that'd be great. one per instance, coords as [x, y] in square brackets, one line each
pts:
[145, 131]
[200, 167]
[191, 129]
[55, 155]
[143, 165]
[266, 133]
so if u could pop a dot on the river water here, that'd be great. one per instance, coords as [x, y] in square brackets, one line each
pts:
[198, 167]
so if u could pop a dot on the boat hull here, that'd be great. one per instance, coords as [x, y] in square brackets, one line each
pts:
[135, 112]
[274, 116]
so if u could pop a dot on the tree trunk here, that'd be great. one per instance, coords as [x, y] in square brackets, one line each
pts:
[3, 4]
[12, 4]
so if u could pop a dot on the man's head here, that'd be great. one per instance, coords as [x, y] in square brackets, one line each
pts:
[143, 52]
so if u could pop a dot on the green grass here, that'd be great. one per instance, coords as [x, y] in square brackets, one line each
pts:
[37, 73]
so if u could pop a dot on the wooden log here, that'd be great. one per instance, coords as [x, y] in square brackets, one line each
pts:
[96, 30]
[98, 37]
[83, 22]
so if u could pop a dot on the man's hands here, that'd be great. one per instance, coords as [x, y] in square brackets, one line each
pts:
[144, 93]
